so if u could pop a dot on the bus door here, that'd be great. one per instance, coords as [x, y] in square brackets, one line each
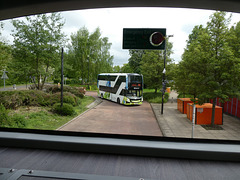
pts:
[109, 85]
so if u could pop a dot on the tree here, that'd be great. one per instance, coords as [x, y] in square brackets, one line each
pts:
[211, 68]
[152, 68]
[234, 40]
[152, 65]
[135, 60]
[223, 74]
[5, 53]
[116, 69]
[37, 42]
[191, 71]
[89, 54]
[126, 68]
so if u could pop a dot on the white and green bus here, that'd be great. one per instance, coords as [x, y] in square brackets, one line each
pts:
[123, 88]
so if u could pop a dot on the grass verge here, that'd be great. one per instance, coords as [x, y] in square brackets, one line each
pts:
[91, 87]
[150, 96]
[42, 117]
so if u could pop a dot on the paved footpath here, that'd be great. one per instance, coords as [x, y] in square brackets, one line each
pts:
[112, 118]
[175, 124]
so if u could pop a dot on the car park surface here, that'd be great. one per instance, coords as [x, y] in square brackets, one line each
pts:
[112, 118]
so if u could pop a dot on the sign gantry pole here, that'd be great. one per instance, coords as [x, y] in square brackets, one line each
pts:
[164, 72]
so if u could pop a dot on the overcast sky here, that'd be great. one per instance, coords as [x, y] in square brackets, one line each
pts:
[178, 22]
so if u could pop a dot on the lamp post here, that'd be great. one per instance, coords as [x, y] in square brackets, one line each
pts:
[164, 71]
[62, 78]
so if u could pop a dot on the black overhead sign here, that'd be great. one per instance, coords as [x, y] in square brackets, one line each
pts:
[135, 38]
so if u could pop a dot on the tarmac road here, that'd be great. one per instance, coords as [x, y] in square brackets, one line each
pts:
[112, 118]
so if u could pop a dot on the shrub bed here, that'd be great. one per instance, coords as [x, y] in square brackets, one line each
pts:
[152, 97]
[65, 110]
[15, 99]
[14, 121]
[77, 91]
[67, 98]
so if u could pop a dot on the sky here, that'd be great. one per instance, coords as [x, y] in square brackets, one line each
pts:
[178, 22]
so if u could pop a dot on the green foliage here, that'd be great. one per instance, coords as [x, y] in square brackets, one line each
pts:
[3, 115]
[185, 96]
[152, 66]
[17, 121]
[68, 98]
[88, 56]
[77, 91]
[135, 60]
[5, 56]
[37, 40]
[126, 68]
[14, 121]
[116, 69]
[43, 118]
[234, 39]
[210, 66]
[28, 104]
[65, 110]
[153, 97]
[15, 99]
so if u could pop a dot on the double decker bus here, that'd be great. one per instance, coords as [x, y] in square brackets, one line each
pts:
[123, 88]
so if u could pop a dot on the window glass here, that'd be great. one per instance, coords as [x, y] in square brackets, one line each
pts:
[135, 79]
[195, 74]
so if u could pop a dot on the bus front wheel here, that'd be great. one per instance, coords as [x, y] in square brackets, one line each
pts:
[118, 100]
[102, 95]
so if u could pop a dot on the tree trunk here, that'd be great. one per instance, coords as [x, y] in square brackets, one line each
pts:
[45, 77]
[213, 111]
[155, 90]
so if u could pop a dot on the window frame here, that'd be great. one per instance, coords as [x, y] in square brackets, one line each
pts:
[117, 144]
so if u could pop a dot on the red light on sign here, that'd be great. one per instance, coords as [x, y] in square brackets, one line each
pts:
[139, 84]
[134, 85]
[156, 39]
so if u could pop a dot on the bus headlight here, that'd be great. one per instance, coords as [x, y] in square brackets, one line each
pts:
[128, 100]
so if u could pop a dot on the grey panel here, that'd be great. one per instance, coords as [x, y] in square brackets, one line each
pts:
[15, 8]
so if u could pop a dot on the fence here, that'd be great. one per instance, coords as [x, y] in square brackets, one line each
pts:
[231, 107]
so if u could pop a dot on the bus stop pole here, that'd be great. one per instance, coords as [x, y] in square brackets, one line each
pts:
[193, 119]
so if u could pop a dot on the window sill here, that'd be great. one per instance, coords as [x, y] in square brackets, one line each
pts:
[167, 147]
